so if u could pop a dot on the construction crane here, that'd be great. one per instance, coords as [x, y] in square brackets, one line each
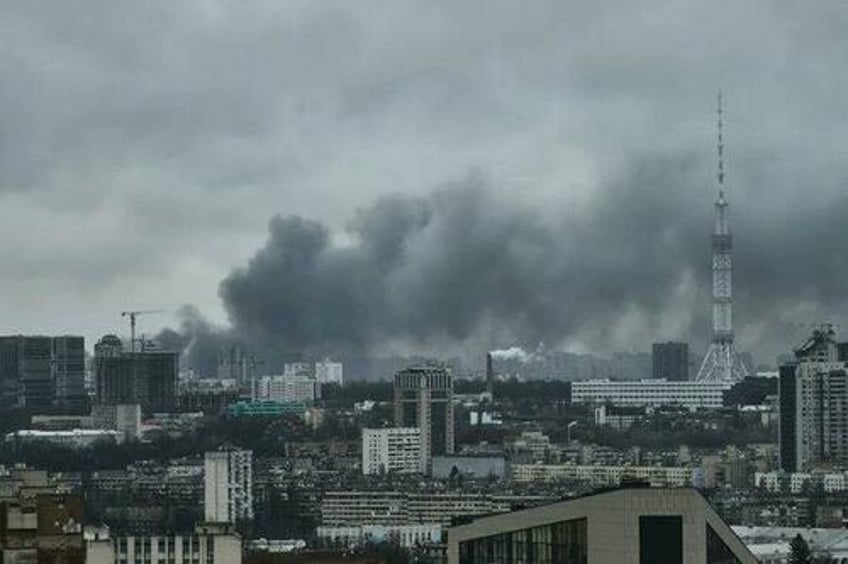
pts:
[132, 315]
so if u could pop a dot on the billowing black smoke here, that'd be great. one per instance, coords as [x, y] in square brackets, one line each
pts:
[466, 266]
[467, 269]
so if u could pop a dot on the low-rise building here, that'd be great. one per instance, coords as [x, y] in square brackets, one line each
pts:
[472, 466]
[75, 438]
[354, 508]
[597, 475]
[797, 482]
[641, 393]
[407, 536]
[209, 544]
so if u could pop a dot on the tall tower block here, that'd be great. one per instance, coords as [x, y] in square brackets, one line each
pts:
[721, 362]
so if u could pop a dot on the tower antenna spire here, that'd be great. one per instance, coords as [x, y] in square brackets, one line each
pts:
[720, 147]
[721, 363]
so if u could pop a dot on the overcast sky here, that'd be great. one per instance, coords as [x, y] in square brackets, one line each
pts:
[146, 146]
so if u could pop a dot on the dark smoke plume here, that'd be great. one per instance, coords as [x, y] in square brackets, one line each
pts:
[466, 269]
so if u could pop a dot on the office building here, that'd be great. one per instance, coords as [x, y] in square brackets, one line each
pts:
[423, 398]
[286, 388]
[646, 393]
[38, 371]
[813, 397]
[228, 486]
[638, 525]
[395, 450]
[147, 378]
[328, 372]
[670, 361]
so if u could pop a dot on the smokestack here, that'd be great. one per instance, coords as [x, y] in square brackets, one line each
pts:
[490, 376]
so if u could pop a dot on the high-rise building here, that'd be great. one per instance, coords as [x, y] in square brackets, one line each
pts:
[328, 372]
[423, 398]
[148, 378]
[813, 393]
[395, 450]
[37, 371]
[235, 364]
[228, 486]
[670, 361]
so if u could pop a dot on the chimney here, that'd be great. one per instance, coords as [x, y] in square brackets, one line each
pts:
[490, 376]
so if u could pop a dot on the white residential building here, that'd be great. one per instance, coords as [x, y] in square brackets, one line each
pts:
[228, 488]
[641, 393]
[286, 388]
[210, 544]
[407, 536]
[796, 482]
[75, 438]
[598, 475]
[813, 396]
[328, 372]
[397, 449]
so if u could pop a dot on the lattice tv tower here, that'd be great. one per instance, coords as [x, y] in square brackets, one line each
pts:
[721, 362]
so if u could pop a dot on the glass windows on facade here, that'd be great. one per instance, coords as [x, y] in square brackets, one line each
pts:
[661, 539]
[717, 551]
[563, 542]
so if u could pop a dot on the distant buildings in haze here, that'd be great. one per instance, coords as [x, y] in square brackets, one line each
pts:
[147, 378]
[670, 361]
[40, 371]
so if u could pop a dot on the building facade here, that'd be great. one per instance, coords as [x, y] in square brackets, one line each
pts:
[602, 475]
[407, 536]
[147, 378]
[670, 361]
[394, 450]
[209, 544]
[286, 388]
[328, 372]
[40, 371]
[423, 398]
[645, 393]
[228, 486]
[813, 396]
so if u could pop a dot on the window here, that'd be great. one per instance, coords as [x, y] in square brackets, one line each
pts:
[717, 551]
[563, 542]
[661, 539]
